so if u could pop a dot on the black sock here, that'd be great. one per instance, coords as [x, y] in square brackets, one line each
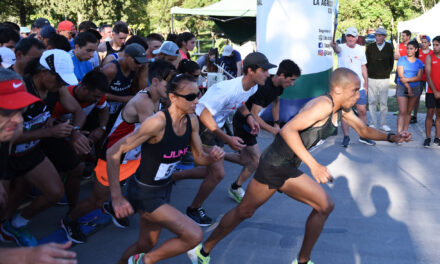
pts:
[303, 262]
[235, 186]
[202, 251]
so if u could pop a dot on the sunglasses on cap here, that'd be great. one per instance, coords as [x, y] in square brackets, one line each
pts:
[189, 97]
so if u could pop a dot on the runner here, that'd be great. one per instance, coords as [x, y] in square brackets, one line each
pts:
[139, 108]
[216, 104]
[118, 37]
[278, 167]
[165, 138]
[268, 93]
[424, 51]
[432, 69]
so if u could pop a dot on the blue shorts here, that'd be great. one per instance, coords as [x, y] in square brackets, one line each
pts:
[362, 98]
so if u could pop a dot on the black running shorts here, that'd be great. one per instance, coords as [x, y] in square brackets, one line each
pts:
[146, 197]
[242, 130]
[431, 102]
[61, 153]
[20, 165]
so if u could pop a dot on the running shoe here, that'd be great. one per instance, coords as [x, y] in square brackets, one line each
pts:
[346, 141]
[437, 141]
[21, 236]
[196, 256]
[119, 222]
[4, 237]
[297, 262]
[136, 259]
[73, 231]
[366, 141]
[199, 216]
[386, 128]
[413, 120]
[427, 142]
[236, 194]
[63, 201]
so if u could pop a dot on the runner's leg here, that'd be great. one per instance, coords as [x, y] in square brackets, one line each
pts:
[98, 197]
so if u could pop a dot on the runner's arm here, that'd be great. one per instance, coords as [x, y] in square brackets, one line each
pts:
[52, 253]
[200, 156]
[250, 119]
[428, 76]
[255, 110]
[72, 106]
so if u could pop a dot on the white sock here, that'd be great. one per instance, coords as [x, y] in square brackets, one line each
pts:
[19, 221]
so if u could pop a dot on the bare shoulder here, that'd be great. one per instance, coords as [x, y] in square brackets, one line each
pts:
[194, 121]
[102, 47]
[321, 103]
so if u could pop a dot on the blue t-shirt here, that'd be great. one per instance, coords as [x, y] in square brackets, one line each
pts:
[410, 69]
[230, 62]
[81, 68]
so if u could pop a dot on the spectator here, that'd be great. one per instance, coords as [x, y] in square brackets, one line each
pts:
[186, 42]
[380, 63]
[154, 42]
[24, 32]
[172, 37]
[85, 46]
[106, 32]
[206, 62]
[26, 50]
[401, 51]
[8, 37]
[409, 74]
[432, 69]
[67, 28]
[231, 61]
[168, 51]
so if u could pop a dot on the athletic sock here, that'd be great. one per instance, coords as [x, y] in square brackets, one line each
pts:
[303, 262]
[19, 221]
[202, 251]
[235, 186]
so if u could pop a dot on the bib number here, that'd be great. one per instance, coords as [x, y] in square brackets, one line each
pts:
[165, 170]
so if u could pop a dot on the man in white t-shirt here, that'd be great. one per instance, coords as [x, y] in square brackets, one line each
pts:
[216, 104]
[352, 56]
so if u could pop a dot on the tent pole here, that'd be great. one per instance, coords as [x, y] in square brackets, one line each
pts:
[172, 23]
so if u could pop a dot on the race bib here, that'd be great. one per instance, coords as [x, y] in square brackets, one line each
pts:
[165, 170]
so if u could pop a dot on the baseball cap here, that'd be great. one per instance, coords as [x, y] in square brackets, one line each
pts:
[381, 31]
[427, 38]
[351, 31]
[40, 22]
[259, 59]
[24, 30]
[13, 94]
[66, 25]
[137, 52]
[47, 31]
[227, 51]
[8, 57]
[59, 61]
[168, 48]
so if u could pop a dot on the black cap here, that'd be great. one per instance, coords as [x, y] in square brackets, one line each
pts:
[258, 59]
[40, 22]
[137, 52]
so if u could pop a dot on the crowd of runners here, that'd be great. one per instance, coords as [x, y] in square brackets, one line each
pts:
[128, 109]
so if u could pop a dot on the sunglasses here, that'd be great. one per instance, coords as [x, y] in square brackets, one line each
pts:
[189, 97]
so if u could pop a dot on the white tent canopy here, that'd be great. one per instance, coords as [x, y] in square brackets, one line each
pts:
[424, 24]
[229, 8]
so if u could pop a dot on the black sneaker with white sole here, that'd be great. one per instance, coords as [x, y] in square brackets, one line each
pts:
[199, 216]
[73, 231]
[119, 222]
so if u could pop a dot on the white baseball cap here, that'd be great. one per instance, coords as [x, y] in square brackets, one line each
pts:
[7, 57]
[227, 51]
[352, 31]
[59, 61]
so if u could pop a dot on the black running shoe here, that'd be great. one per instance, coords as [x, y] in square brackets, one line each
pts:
[119, 222]
[413, 120]
[199, 216]
[427, 142]
[73, 231]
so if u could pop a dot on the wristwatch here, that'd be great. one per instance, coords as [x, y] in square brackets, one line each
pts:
[103, 128]
[76, 128]
[389, 137]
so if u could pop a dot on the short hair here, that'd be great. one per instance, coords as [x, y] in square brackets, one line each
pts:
[95, 33]
[7, 75]
[95, 80]
[12, 25]
[436, 39]
[25, 44]
[86, 25]
[119, 27]
[172, 37]
[184, 37]
[7, 33]
[101, 28]
[187, 66]
[407, 32]
[138, 40]
[175, 84]
[342, 77]
[85, 37]
[289, 68]
[416, 45]
[154, 36]
[160, 69]
[58, 41]
[252, 67]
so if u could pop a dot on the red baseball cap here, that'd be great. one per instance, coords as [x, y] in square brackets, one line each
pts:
[66, 25]
[13, 95]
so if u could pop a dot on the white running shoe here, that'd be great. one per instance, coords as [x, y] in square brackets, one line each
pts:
[237, 194]
[386, 128]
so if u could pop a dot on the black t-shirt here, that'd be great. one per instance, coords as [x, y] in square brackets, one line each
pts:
[4, 155]
[265, 94]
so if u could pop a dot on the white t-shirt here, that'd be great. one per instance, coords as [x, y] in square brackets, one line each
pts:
[223, 98]
[353, 58]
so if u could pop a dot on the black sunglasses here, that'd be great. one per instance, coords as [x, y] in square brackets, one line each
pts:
[189, 97]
